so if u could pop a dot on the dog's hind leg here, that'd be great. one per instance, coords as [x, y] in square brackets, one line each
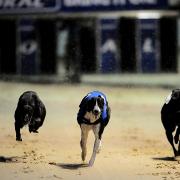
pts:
[170, 139]
[101, 130]
[83, 142]
[176, 137]
[96, 144]
[179, 149]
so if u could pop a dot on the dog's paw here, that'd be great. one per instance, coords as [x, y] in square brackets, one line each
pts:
[91, 162]
[177, 158]
[18, 139]
[35, 131]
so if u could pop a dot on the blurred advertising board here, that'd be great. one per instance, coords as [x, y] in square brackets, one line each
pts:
[65, 6]
[148, 45]
[27, 47]
[108, 45]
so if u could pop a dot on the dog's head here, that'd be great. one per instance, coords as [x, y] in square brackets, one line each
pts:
[30, 108]
[95, 105]
[27, 113]
[175, 94]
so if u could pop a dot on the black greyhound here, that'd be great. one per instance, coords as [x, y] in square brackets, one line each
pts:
[170, 116]
[30, 111]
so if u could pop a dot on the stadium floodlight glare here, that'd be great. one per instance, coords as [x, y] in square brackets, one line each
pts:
[154, 14]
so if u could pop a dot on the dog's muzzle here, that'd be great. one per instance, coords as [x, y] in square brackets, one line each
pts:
[96, 113]
[27, 119]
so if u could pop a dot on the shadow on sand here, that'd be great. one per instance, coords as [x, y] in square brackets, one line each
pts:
[70, 166]
[8, 159]
[165, 158]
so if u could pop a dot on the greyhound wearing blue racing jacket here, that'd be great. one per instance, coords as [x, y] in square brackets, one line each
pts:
[94, 114]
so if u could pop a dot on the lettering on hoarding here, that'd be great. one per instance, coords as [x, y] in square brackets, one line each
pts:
[60, 4]
[109, 46]
[28, 47]
[138, 2]
[21, 3]
[147, 46]
[119, 2]
[87, 3]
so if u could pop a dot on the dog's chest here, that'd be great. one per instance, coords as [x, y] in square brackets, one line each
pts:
[91, 117]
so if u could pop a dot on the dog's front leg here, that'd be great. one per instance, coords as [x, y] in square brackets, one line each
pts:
[83, 142]
[95, 151]
[18, 134]
[170, 139]
[177, 140]
[96, 144]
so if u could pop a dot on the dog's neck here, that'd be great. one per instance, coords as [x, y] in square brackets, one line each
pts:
[91, 117]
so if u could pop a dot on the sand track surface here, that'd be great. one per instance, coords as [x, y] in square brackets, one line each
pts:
[134, 145]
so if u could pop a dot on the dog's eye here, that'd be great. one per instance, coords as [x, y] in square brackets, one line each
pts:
[91, 104]
[175, 95]
[32, 103]
[100, 102]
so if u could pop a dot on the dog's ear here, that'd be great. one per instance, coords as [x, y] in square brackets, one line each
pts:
[83, 102]
[38, 106]
[175, 94]
[17, 114]
[20, 101]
